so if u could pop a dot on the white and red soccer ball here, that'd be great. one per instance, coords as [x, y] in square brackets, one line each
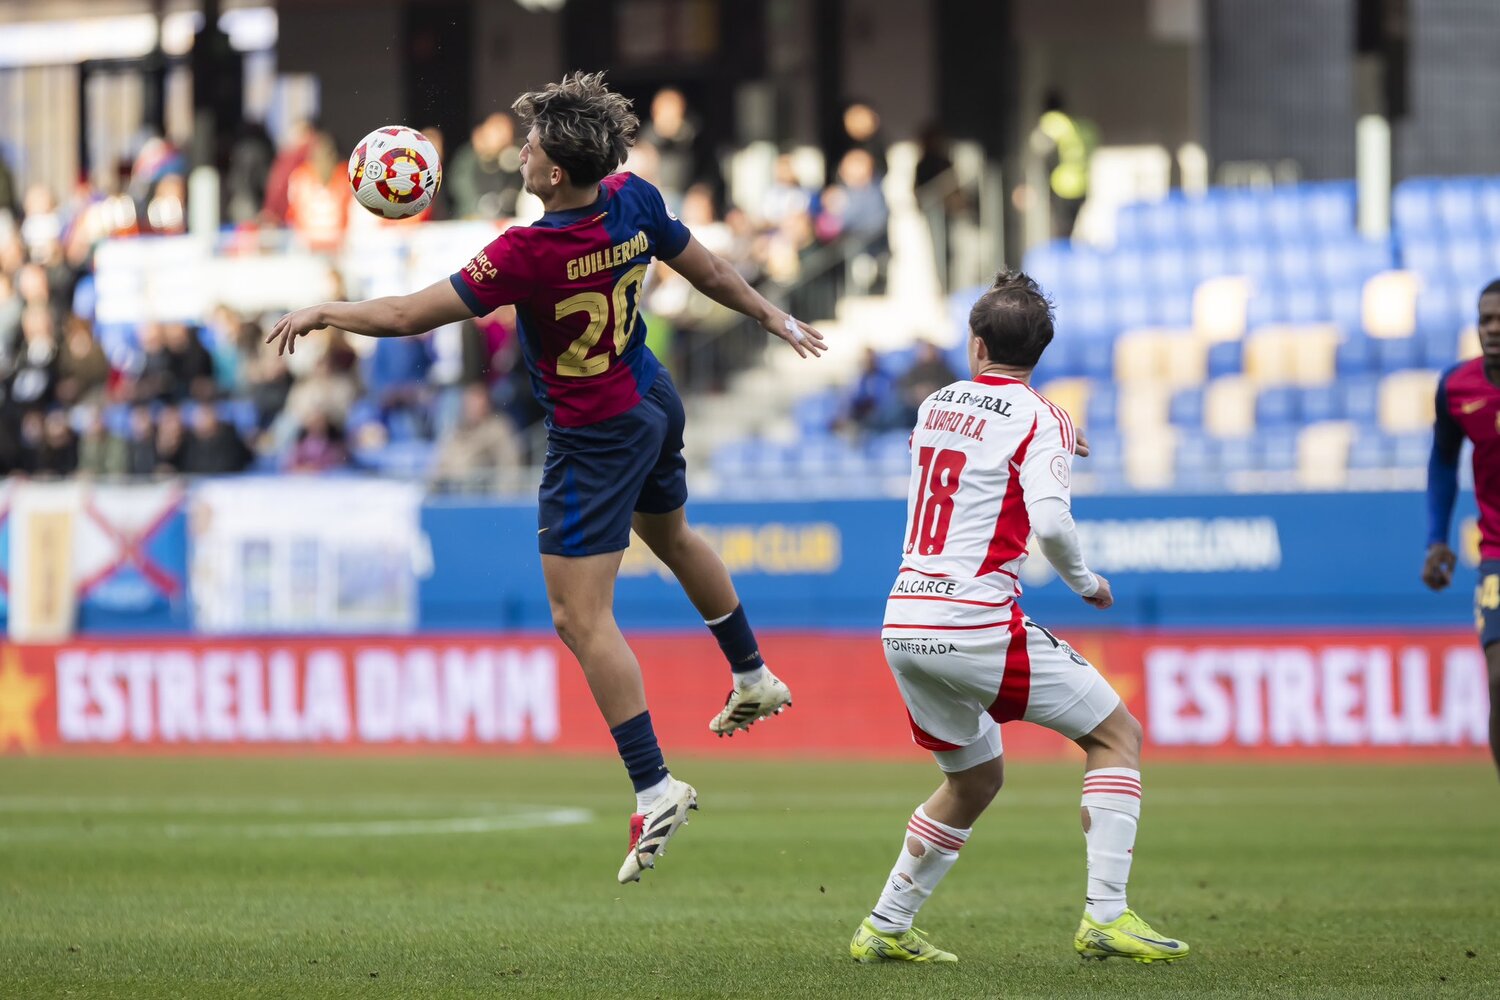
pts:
[395, 172]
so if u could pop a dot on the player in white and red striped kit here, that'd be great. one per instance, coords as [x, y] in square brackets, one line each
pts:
[991, 464]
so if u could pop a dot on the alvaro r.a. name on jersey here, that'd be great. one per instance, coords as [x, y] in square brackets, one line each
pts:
[959, 421]
[982, 449]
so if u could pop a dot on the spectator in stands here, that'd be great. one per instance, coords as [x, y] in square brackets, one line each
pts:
[928, 373]
[169, 440]
[865, 214]
[34, 380]
[10, 201]
[155, 381]
[267, 384]
[83, 371]
[58, 453]
[140, 446]
[166, 212]
[786, 197]
[1068, 144]
[190, 366]
[862, 131]
[320, 446]
[484, 176]
[41, 222]
[318, 197]
[293, 154]
[233, 343]
[10, 321]
[672, 133]
[101, 453]
[872, 405]
[214, 447]
[323, 394]
[483, 447]
[251, 160]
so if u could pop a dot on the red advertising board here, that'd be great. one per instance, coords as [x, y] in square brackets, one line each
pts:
[1355, 693]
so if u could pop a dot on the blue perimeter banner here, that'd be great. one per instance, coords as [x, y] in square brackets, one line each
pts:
[1258, 562]
[1249, 561]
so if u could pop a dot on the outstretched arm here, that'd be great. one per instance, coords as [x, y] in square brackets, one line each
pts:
[391, 316]
[714, 277]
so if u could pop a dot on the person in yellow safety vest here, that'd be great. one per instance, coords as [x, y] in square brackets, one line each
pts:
[1071, 141]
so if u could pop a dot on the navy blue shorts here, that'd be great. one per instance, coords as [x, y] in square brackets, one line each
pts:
[1487, 602]
[596, 477]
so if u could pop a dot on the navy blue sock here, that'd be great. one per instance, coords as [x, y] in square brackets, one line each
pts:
[636, 741]
[738, 642]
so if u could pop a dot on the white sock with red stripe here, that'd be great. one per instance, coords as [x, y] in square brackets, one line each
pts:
[929, 850]
[1112, 797]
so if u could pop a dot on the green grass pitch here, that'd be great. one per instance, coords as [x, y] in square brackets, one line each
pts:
[469, 877]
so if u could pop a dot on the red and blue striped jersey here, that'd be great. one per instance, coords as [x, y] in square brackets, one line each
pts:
[1468, 406]
[575, 279]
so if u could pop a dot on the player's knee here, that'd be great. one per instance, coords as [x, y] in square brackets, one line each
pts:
[1121, 733]
[567, 624]
[977, 788]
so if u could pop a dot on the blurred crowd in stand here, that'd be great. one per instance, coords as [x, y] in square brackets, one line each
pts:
[82, 397]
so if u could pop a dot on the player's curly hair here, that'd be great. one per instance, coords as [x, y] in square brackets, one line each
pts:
[585, 127]
[1014, 319]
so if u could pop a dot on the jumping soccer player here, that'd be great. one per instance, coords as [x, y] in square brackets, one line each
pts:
[614, 420]
[1468, 406]
[991, 463]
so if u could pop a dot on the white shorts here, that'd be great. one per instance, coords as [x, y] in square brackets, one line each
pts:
[960, 684]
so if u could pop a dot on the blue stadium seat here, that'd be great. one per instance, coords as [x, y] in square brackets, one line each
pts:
[1489, 205]
[1210, 261]
[1064, 358]
[1329, 208]
[1319, 403]
[1361, 399]
[1104, 402]
[1394, 354]
[1296, 263]
[1267, 305]
[1425, 256]
[1130, 225]
[1412, 209]
[1169, 269]
[1437, 310]
[1470, 258]
[1356, 354]
[1175, 309]
[890, 453]
[1051, 265]
[823, 457]
[731, 461]
[1456, 201]
[1254, 261]
[1346, 306]
[1411, 451]
[1087, 266]
[896, 363]
[1125, 271]
[361, 412]
[1202, 220]
[1135, 310]
[1284, 207]
[240, 413]
[1237, 454]
[1226, 358]
[1244, 217]
[1186, 407]
[1369, 450]
[1106, 453]
[1304, 304]
[1277, 406]
[816, 413]
[1163, 223]
[1277, 449]
[1351, 261]
[1439, 348]
[1196, 461]
[117, 419]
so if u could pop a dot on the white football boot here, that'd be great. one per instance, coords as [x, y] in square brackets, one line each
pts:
[744, 708]
[650, 831]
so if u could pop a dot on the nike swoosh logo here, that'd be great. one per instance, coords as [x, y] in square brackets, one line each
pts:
[540, 531]
[1164, 944]
[1477, 404]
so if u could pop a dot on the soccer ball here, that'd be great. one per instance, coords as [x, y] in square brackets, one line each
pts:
[395, 172]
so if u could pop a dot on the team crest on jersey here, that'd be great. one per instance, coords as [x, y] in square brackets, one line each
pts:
[1060, 469]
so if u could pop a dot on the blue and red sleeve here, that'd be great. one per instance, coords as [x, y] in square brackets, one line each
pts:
[669, 237]
[1442, 467]
[499, 275]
